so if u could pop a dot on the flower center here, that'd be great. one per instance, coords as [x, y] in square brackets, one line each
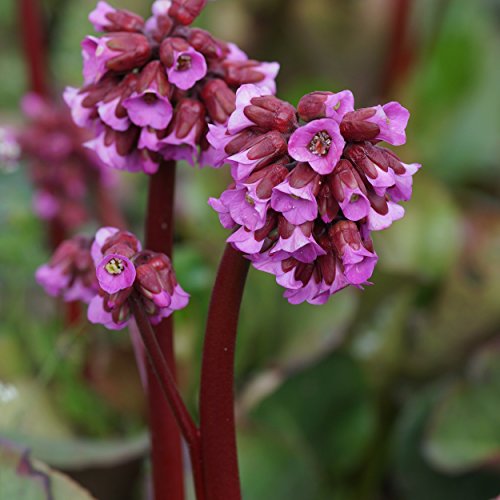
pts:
[183, 62]
[249, 199]
[115, 266]
[149, 98]
[320, 144]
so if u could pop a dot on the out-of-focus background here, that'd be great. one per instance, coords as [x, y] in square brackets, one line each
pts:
[392, 393]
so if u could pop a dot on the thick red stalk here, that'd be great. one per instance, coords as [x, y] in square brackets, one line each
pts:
[166, 448]
[400, 47]
[168, 387]
[217, 422]
[35, 45]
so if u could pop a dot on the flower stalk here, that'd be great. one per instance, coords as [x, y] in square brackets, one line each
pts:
[166, 383]
[217, 421]
[166, 447]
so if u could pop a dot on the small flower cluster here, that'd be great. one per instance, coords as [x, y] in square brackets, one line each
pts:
[310, 184]
[70, 273]
[105, 271]
[152, 86]
[62, 170]
[10, 151]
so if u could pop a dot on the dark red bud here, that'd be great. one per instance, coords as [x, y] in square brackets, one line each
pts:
[327, 205]
[303, 272]
[345, 175]
[358, 131]
[270, 225]
[219, 100]
[269, 112]
[385, 158]
[125, 142]
[240, 141]
[154, 74]
[168, 48]
[189, 114]
[345, 233]
[356, 153]
[186, 11]
[378, 203]
[123, 239]
[327, 263]
[135, 49]
[302, 175]
[148, 278]
[241, 72]
[270, 176]
[123, 20]
[270, 145]
[312, 106]
[204, 42]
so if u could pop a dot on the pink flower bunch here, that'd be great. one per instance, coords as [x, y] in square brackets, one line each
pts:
[310, 184]
[106, 270]
[62, 170]
[70, 273]
[152, 86]
[123, 268]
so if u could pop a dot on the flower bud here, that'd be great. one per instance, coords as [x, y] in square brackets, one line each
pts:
[186, 11]
[219, 100]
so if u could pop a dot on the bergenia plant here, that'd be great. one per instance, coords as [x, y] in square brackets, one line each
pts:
[310, 185]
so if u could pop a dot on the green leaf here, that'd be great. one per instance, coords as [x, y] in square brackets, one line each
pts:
[22, 478]
[464, 432]
[330, 406]
[416, 479]
[273, 467]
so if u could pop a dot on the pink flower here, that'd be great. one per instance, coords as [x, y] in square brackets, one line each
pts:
[295, 197]
[326, 105]
[350, 191]
[115, 272]
[319, 143]
[185, 65]
[358, 259]
[392, 119]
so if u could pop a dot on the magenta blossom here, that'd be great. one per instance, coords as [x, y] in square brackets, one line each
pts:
[337, 185]
[123, 268]
[139, 76]
[319, 143]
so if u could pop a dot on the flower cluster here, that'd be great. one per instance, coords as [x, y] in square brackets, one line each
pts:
[10, 151]
[105, 271]
[62, 170]
[310, 184]
[70, 273]
[152, 86]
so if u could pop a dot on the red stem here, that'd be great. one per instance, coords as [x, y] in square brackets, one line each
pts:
[401, 52]
[166, 448]
[34, 42]
[217, 422]
[168, 387]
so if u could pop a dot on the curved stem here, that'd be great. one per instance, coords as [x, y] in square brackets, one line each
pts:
[166, 449]
[168, 387]
[217, 422]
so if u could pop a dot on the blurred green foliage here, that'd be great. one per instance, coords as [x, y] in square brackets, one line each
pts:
[392, 393]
